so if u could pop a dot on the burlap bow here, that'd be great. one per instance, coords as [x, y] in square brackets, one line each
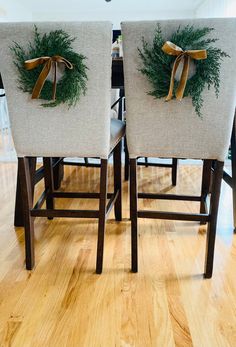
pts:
[48, 62]
[171, 49]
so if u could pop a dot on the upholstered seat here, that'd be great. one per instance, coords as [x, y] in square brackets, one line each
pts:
[114, 98]
[113, 113]
[117, 132]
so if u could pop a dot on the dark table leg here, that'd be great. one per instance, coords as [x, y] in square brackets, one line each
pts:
[120, 108]
[174, 171]
[206, 183]
[120, 117]
[126, 160]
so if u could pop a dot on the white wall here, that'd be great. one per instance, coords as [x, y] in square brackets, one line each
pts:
[114, 17]
[14, 11]
[115, 11]
[216, 8]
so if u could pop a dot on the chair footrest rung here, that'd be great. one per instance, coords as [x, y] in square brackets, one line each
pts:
[73, 163]
[174, 216]
[79, 195]
[168, 197]
[65, 213]
[41, 199]
[142, 163]
[111, 202]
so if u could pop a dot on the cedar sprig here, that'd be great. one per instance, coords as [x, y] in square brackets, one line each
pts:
[157, 65]
[73, 83]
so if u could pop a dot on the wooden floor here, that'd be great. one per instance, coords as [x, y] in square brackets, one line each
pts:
[63, 303]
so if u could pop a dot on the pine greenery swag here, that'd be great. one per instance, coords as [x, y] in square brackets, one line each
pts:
[73, 82]
[157, 65]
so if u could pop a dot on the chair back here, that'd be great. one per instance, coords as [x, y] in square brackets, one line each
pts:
[82, 130]
[156, 128]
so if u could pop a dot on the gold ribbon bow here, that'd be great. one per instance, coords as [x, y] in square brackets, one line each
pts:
[171, 49]
[48, 63]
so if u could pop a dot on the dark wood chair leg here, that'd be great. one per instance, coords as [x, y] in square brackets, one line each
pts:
[19, 214]
[118, 181]
[134, 214]
[126, 160]
[206, 182]
[27, 200]
[86, 161]
[58, 174]
[102, 215]
[211, 230]
[49, 183]
[120, 106]
[174, 171]
[233, 163]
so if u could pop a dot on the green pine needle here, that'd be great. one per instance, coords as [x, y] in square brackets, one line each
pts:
[157, 65]
[73, 83]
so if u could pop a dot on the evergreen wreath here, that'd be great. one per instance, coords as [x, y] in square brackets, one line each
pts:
[157, 65]
[56, 43]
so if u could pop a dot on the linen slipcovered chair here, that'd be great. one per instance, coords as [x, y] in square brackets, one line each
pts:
[172, 129]
[85, 130]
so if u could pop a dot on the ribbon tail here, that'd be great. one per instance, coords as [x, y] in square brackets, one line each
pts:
[183, 79]
[41, 80]
[54, 88]
[172, 79]
[67, 63]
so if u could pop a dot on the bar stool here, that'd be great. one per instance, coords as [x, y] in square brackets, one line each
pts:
[173, 130]
[81, 131]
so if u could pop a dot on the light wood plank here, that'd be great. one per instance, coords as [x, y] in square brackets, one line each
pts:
[63, 303]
